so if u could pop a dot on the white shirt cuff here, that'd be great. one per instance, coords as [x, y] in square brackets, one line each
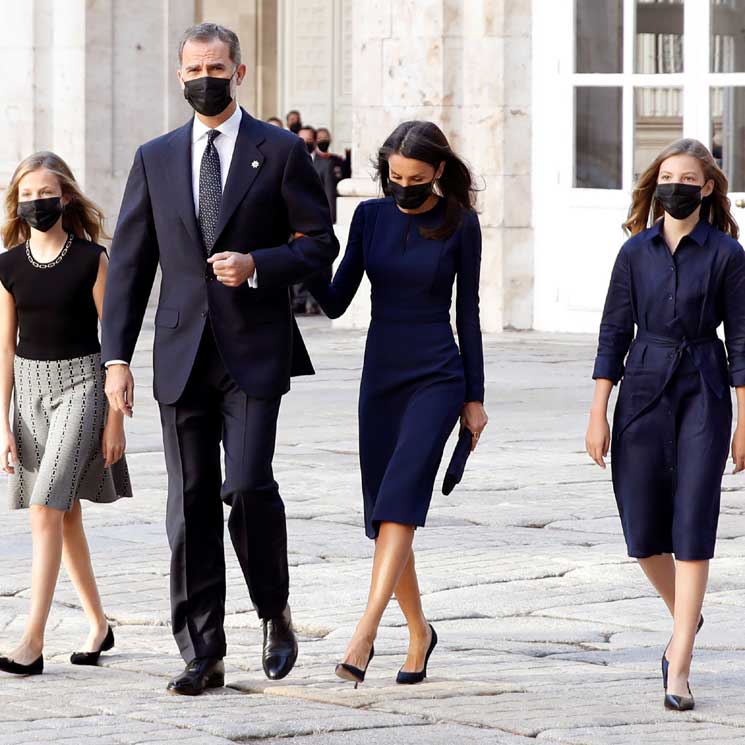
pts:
[253, 281]
[115, 362]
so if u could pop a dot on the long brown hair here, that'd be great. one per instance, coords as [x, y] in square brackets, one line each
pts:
[425, 141]
[80, 216]
[715, 208]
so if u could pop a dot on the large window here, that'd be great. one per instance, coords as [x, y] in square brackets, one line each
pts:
[727, 36]
[624, 82]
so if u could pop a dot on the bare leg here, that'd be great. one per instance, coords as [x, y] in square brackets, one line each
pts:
[690, 586]
[660, 571]
[410, 600]
[77, 559]
[46, 534]
[392, 553]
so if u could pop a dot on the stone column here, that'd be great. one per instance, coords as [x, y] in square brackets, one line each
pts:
[445, 61]
[92, 80]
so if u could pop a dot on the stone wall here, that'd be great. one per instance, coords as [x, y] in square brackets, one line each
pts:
[90, 80]
[445, 60]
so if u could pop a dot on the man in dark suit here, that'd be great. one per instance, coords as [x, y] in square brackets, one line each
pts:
[214, 203]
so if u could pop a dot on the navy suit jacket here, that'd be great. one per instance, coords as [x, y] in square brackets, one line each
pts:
[272, 191]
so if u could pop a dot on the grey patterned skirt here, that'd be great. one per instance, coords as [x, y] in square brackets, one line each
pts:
[60, 410]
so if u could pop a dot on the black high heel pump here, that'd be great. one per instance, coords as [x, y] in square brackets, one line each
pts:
[417, 677]
[345, 671]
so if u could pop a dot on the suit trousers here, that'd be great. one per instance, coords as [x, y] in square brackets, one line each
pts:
[214, 410]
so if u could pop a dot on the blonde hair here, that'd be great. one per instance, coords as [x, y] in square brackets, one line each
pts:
[715, 208]
[81, 216]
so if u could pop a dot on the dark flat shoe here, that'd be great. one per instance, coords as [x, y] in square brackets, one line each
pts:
[345, 671]
[91, 658]
[417, 677]
[11, 666]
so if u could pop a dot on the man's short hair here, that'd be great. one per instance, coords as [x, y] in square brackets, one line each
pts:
[308, 127]
[209, 32]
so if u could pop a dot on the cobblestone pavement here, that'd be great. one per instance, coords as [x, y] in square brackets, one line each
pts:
[548, 631]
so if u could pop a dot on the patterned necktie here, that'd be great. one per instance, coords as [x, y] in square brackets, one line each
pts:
[210, 191]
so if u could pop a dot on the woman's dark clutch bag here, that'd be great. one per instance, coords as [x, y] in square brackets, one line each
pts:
[458, 461]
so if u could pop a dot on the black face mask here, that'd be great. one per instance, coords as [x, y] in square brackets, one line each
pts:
[678, 200]
[41, 214]
[311, 146]
[410, 197]
[295, 127]
[208, 96]
[323, 145]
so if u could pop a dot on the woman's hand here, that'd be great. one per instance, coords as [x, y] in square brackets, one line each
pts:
[114, 442]
[597, 439]
[8, 451]
[474, 419]
[738, 448]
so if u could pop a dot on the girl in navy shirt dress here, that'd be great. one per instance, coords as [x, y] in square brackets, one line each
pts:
[414, 245]
[674, 281]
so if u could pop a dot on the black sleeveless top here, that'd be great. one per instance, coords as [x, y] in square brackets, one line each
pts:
[57, 317]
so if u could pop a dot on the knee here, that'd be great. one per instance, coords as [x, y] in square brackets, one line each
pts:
[46, 518]
[251, 492]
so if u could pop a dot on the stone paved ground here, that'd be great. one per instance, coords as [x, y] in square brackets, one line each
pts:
[548, 632]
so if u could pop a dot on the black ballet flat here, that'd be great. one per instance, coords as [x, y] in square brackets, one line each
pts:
[665, 663]
[345, 671]
[91, 658]
[417, 677]
[680, 703]
[11, 666]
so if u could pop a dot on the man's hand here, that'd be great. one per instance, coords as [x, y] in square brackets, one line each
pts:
[231, 268]
[120, 389]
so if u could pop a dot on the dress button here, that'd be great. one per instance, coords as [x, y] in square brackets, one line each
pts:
[204, 314]
[669, 297]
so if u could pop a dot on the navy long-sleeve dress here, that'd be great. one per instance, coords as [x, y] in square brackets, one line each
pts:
[672, 422]
[414, 379]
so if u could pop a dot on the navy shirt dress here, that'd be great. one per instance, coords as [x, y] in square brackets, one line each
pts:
[672, 421]
[415, 380]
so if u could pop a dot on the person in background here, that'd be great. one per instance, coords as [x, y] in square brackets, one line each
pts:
[66, 445]
[308, 135]
[276, 121]
[323, 143]
[294, 121]
[329, 167]
[303, 302]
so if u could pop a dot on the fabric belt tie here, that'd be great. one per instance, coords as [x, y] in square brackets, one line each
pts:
[678, 346]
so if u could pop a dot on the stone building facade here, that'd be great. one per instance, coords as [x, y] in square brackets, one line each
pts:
[92, 79]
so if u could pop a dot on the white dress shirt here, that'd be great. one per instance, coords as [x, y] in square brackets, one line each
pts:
[225, 146]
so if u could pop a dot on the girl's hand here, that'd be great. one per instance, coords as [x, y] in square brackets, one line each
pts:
[474, 419]
[738, 448]
[597, 440]
[114, 442]
[8, 451]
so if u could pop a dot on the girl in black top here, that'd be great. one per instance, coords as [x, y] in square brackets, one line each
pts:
[64, 445]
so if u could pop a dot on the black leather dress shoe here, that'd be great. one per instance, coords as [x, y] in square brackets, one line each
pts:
[280, 646]
[201, 673]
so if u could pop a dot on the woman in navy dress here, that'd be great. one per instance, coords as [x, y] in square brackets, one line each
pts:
[414, 245]
[676, 282]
